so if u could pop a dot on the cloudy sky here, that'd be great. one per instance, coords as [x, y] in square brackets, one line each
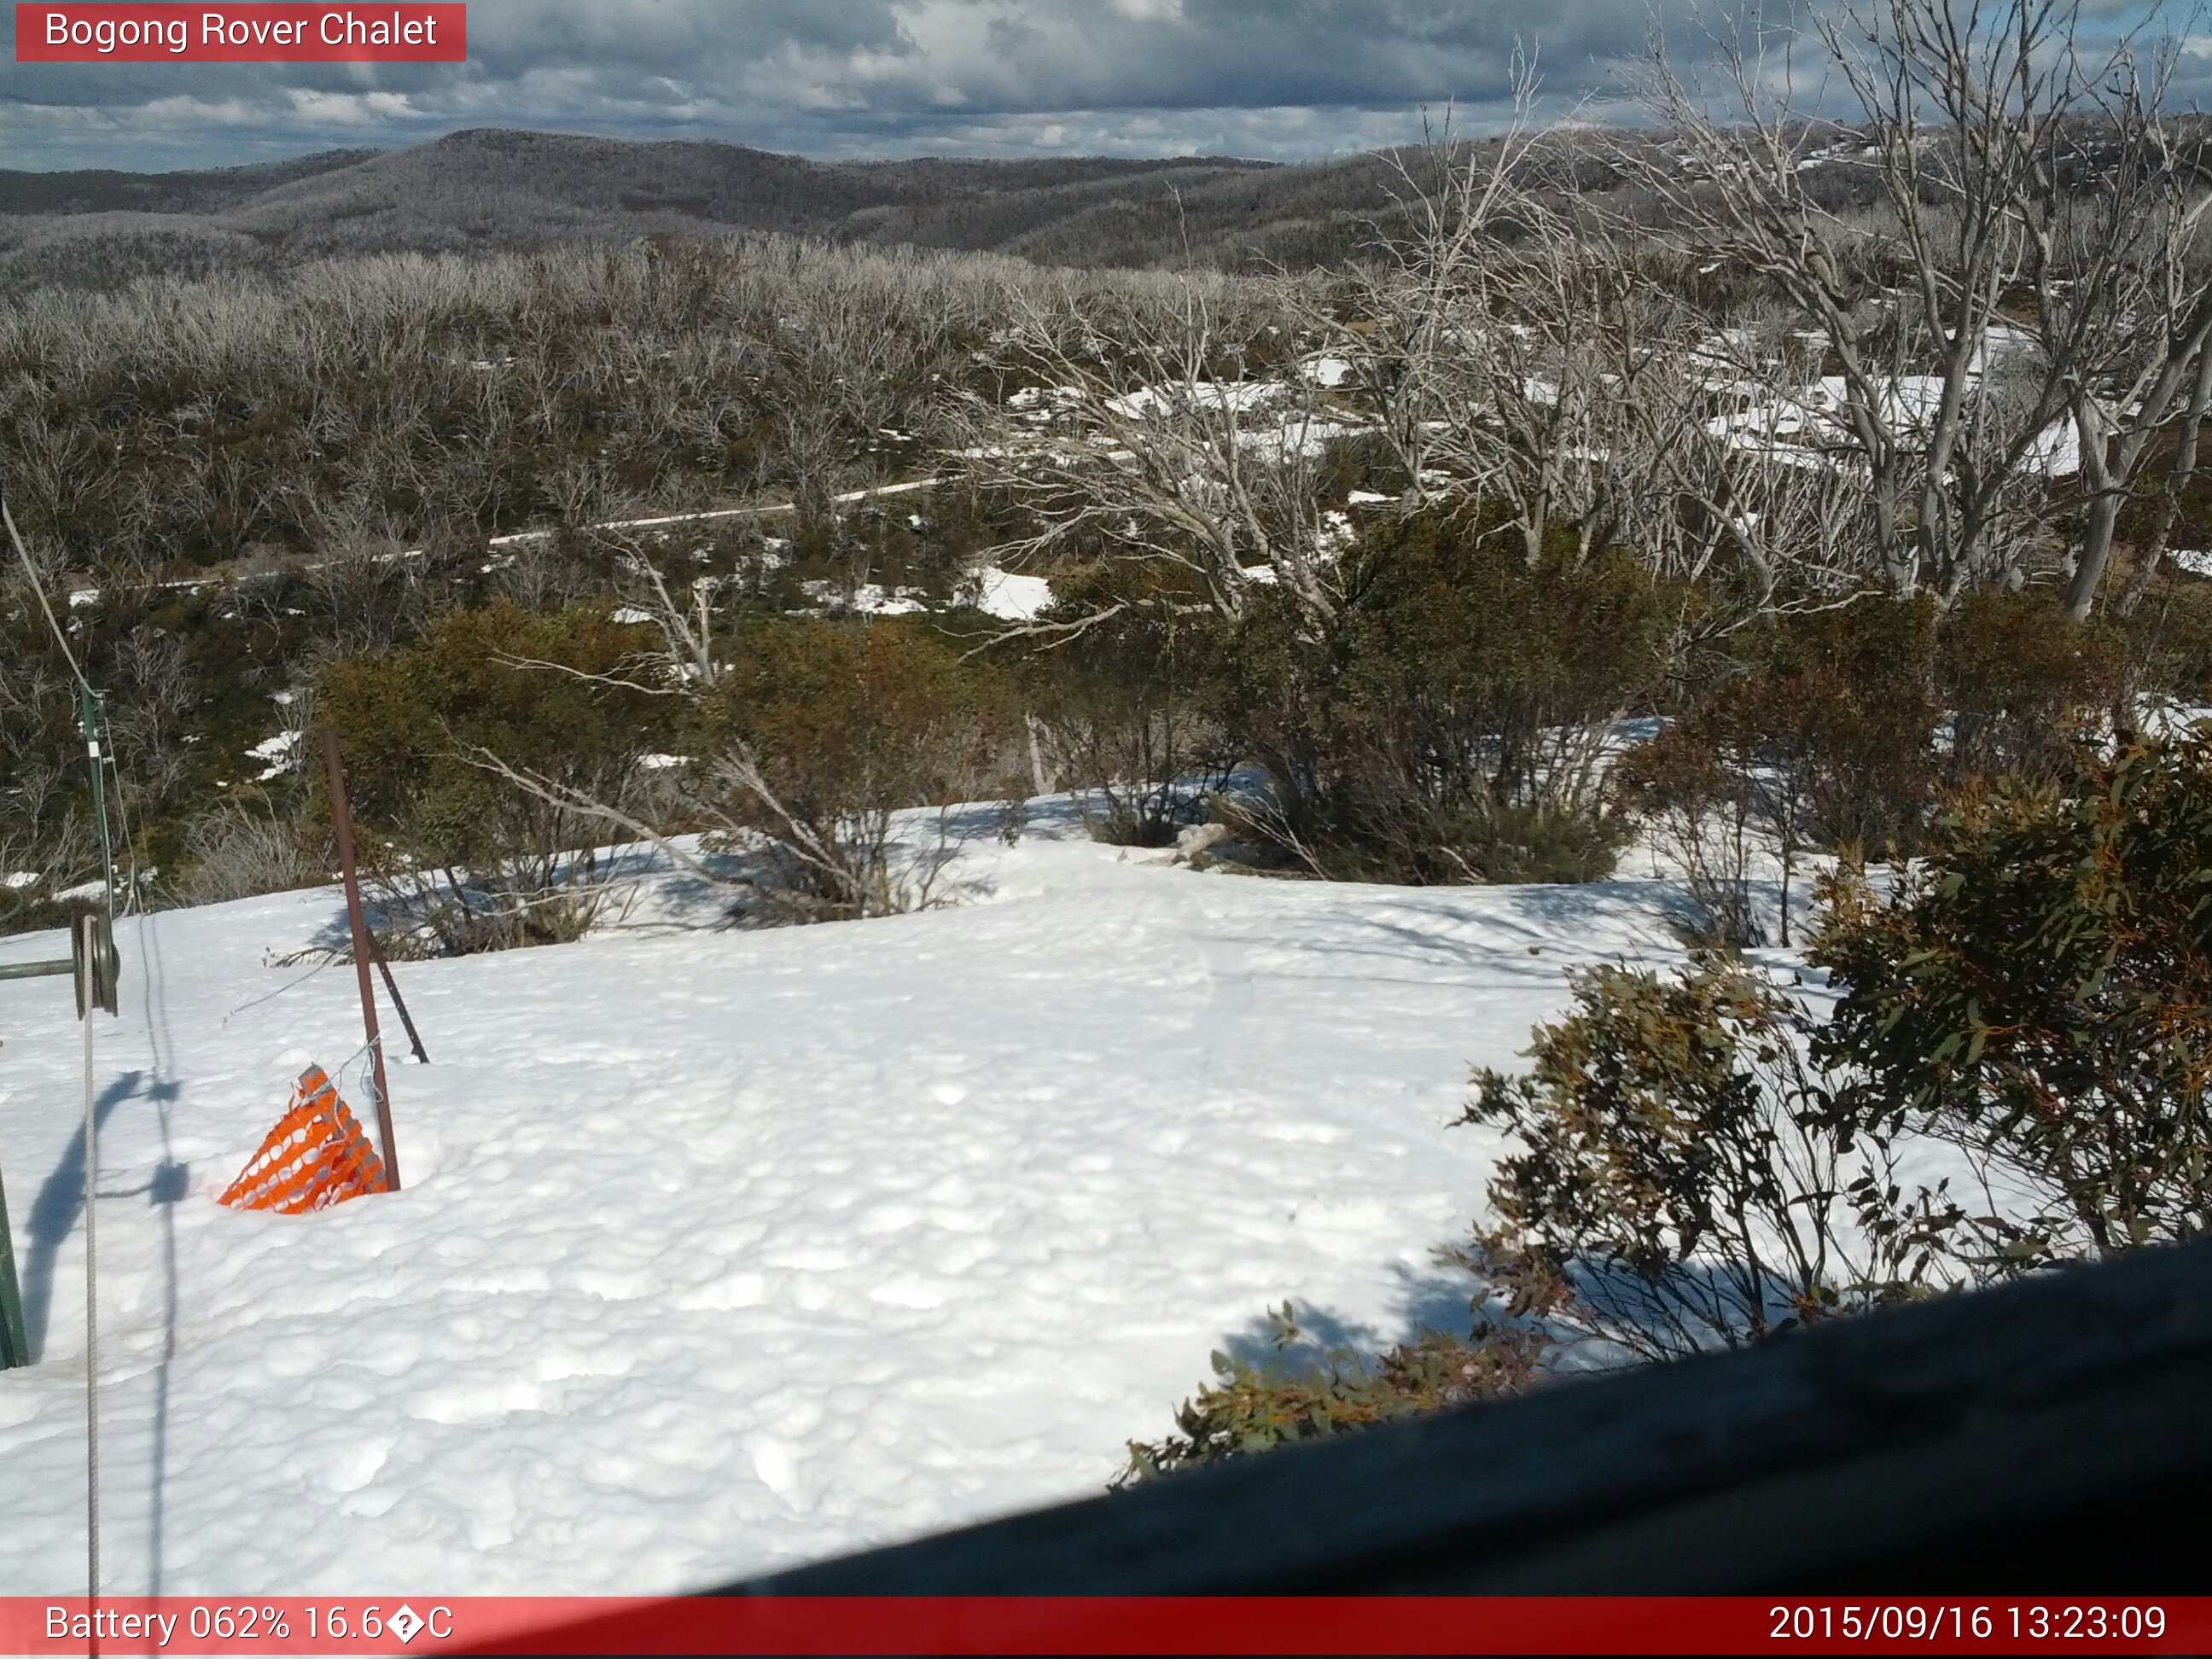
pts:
[1287, 79]
[1281, 79]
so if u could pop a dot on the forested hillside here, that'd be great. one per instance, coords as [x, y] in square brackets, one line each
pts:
[485, 190]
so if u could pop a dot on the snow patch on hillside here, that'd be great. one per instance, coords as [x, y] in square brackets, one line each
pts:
[1011, 597]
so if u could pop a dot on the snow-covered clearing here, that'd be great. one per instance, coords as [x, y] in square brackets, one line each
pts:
[722, 1250]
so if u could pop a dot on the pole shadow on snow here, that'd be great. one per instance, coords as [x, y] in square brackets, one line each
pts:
[60, 1204]
[54, 1214]
[165, 1191]
[171, 1179]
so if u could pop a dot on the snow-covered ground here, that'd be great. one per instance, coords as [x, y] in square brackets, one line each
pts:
[1010, 597]
[722, 1250]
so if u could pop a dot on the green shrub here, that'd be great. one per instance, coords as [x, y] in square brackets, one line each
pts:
[2168, 639]
[1840, 704]
[2039, 985]
[1257, 1407]
[824, 732]
[1117, 698]
[1821, 736]
[437, 741]
[1704, 801]
[1683, 1174]
[2019, 678]
[1450, 725]
[1826, 735]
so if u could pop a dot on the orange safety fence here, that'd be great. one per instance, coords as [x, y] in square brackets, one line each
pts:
[315, 1157]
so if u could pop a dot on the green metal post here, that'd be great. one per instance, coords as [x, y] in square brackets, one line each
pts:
[38, 970]
[92, 960]
[91, 712]
[15, 1347]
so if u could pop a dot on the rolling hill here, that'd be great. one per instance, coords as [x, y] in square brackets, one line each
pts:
[490, 189]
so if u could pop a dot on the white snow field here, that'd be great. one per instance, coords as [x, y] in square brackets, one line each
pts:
[722, 1250]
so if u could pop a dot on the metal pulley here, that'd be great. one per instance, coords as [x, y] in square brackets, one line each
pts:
[95, 964]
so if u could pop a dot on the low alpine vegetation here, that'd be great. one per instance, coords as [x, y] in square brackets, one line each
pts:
[1710, 1158]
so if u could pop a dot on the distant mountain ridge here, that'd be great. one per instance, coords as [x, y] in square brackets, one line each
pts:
[198, 191]
[504, 189]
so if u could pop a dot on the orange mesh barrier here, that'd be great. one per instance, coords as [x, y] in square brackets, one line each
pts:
[315, 1157]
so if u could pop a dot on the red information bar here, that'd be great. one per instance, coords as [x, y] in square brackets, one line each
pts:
[71, 32]
[1101, 1625]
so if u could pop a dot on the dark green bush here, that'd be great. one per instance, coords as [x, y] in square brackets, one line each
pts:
[1117, 684]
[1257, 1407]
[466, 856]
[824, 732]
[1822, 735]
[1841, 702]
[2168, 639]
[2038, 986]
[1449, 725]
[1684, 1176]
[1836, 730]
[2018, 679]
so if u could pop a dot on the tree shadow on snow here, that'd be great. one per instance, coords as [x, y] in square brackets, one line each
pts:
[1440, 1298]
[1641, 915]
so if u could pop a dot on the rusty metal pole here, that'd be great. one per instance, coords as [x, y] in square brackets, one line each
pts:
[414, 1036]
[342, 822]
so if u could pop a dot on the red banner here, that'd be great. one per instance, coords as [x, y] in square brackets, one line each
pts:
[78, 33]
[1100, 1624]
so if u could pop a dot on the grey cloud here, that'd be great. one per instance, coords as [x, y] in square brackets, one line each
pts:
[1285, 79]
[1282, 78]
